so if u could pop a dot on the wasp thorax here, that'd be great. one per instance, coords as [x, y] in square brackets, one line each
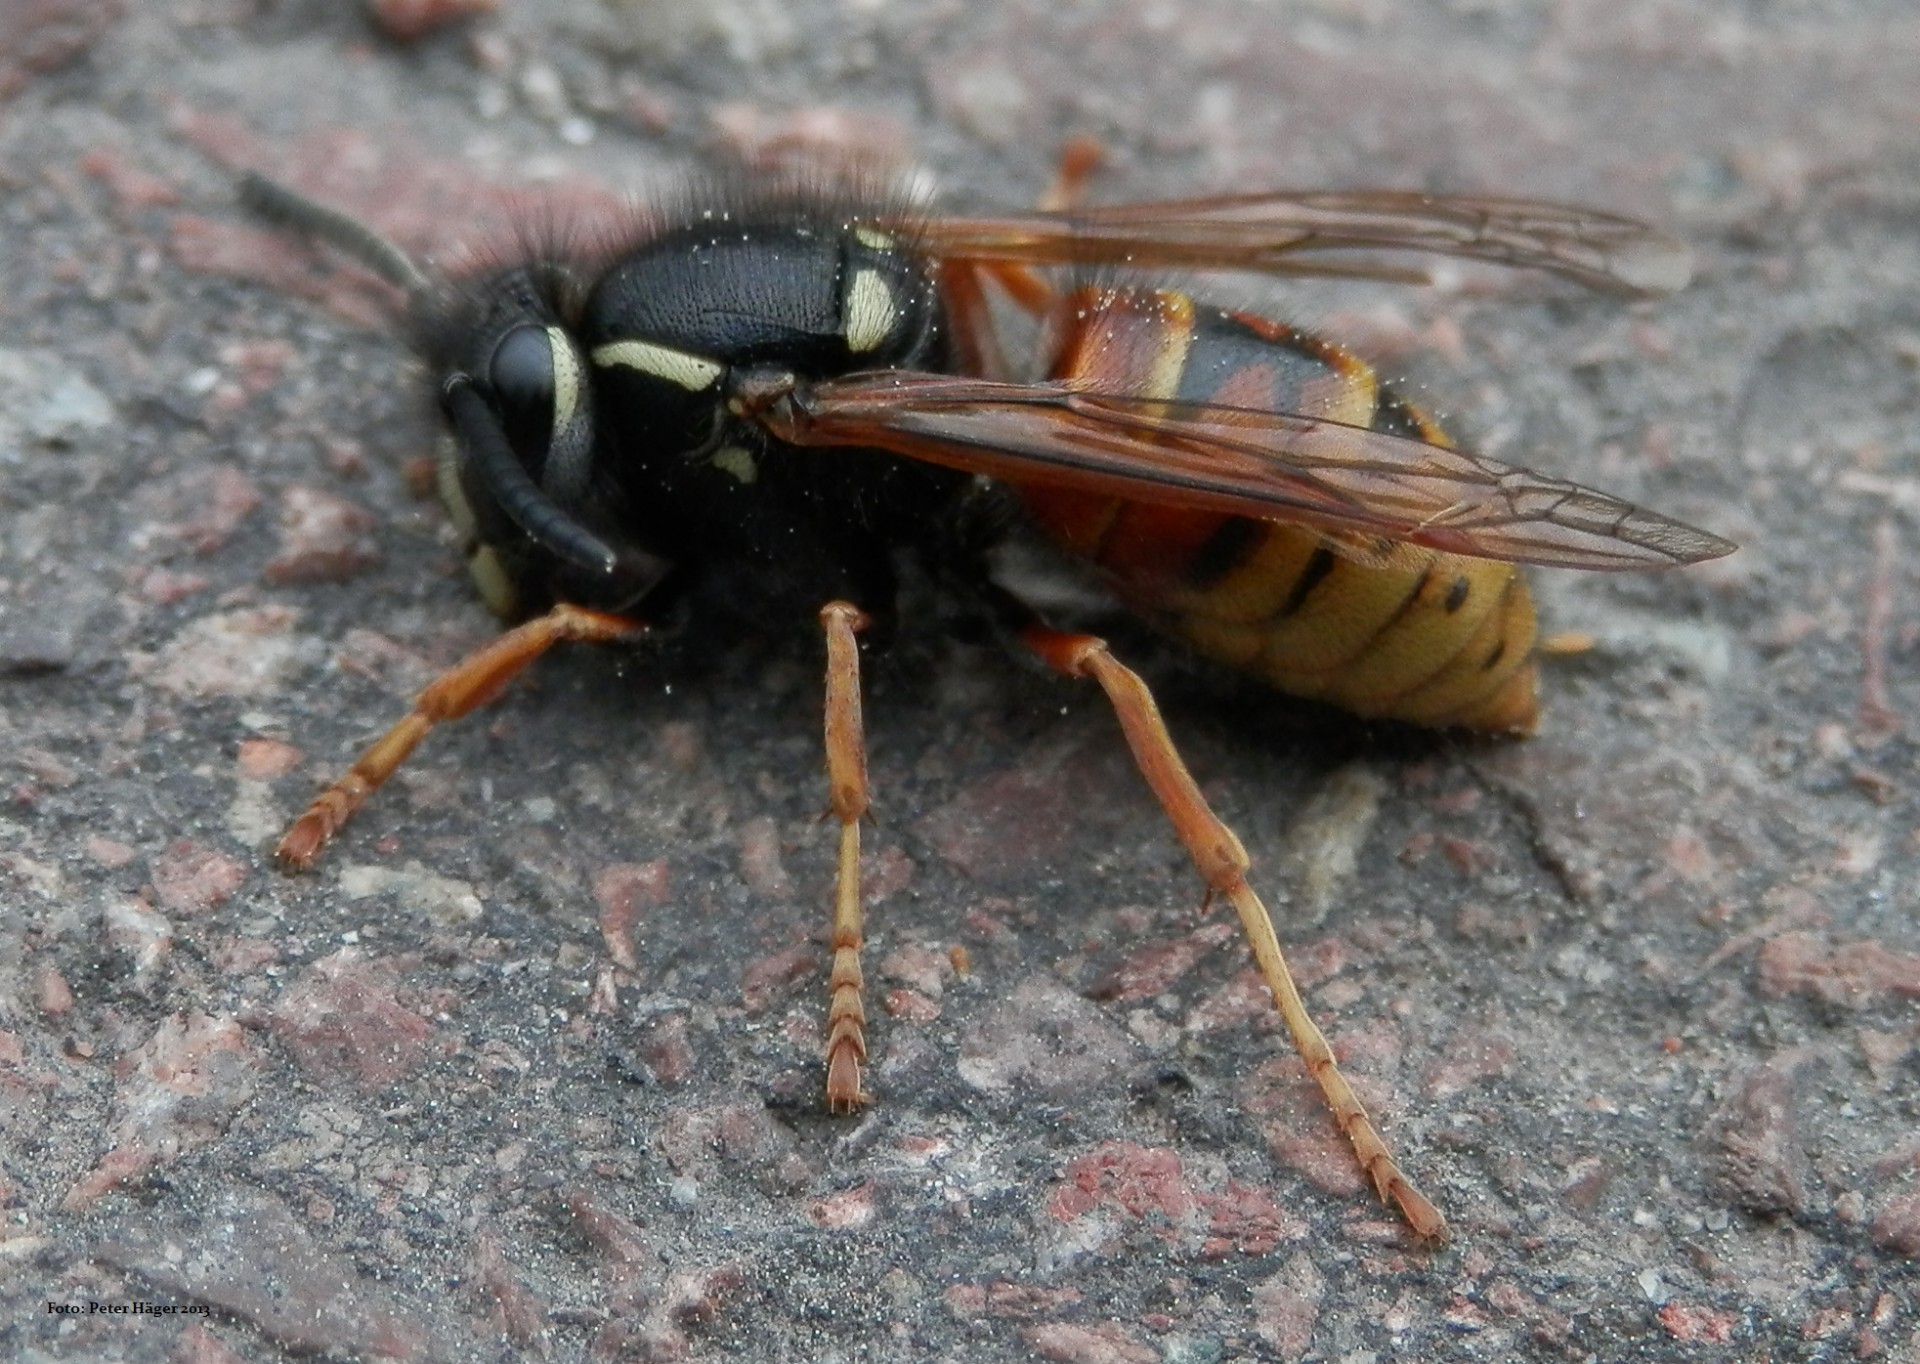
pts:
[670, 330]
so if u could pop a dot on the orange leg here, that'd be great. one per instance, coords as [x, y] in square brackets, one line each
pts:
[1223, 863]
[847, 783]
[1025, 285]
[978, 350]
[1080, 157]
[473, 681]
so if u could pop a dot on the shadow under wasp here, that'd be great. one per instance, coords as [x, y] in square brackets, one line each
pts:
[773, 393]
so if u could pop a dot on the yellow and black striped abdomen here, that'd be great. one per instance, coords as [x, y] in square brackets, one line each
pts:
[1379, 628]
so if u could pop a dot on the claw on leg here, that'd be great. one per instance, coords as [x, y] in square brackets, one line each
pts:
[473, 681]
[1223, 863]
[847, 782]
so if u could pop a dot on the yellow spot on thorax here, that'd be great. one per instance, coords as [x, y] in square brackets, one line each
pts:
[682, 368]
[870, 312]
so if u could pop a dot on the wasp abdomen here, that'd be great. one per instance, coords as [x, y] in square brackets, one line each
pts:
[1379, 628]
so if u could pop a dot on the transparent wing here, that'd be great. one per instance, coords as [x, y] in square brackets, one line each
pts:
[1305, 232]
[1276, 466]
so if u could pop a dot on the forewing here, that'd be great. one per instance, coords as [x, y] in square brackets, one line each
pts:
[1244, 462]
[1308, 232]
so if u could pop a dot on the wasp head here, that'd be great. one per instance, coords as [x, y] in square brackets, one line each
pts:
[520, 483]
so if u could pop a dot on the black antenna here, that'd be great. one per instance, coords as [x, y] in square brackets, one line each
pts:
[274, 202]
[513, 490]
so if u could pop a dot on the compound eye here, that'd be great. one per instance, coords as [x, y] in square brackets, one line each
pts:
[539, 384]
[521, 373]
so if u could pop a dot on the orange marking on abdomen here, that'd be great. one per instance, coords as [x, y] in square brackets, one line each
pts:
[1426, 637]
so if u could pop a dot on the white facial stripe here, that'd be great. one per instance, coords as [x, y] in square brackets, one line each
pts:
[691, 372]
[870, 312]
[567, 384]
[873, 237]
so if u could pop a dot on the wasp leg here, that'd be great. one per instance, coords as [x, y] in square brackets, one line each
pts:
[977, 348]
[1223, 863]
[1081, 157]
[1026, 286]
[472, 682]
[847, 785]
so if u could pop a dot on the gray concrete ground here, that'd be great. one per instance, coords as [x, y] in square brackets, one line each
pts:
[527, 1066]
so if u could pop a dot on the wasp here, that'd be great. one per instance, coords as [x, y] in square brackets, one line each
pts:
[773, 396]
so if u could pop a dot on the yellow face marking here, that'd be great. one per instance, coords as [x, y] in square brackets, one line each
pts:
[870, 311]
[691, 372]
[874, 237]
[453, 497]
[567, 385]
[737, 461]
[495, 583]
